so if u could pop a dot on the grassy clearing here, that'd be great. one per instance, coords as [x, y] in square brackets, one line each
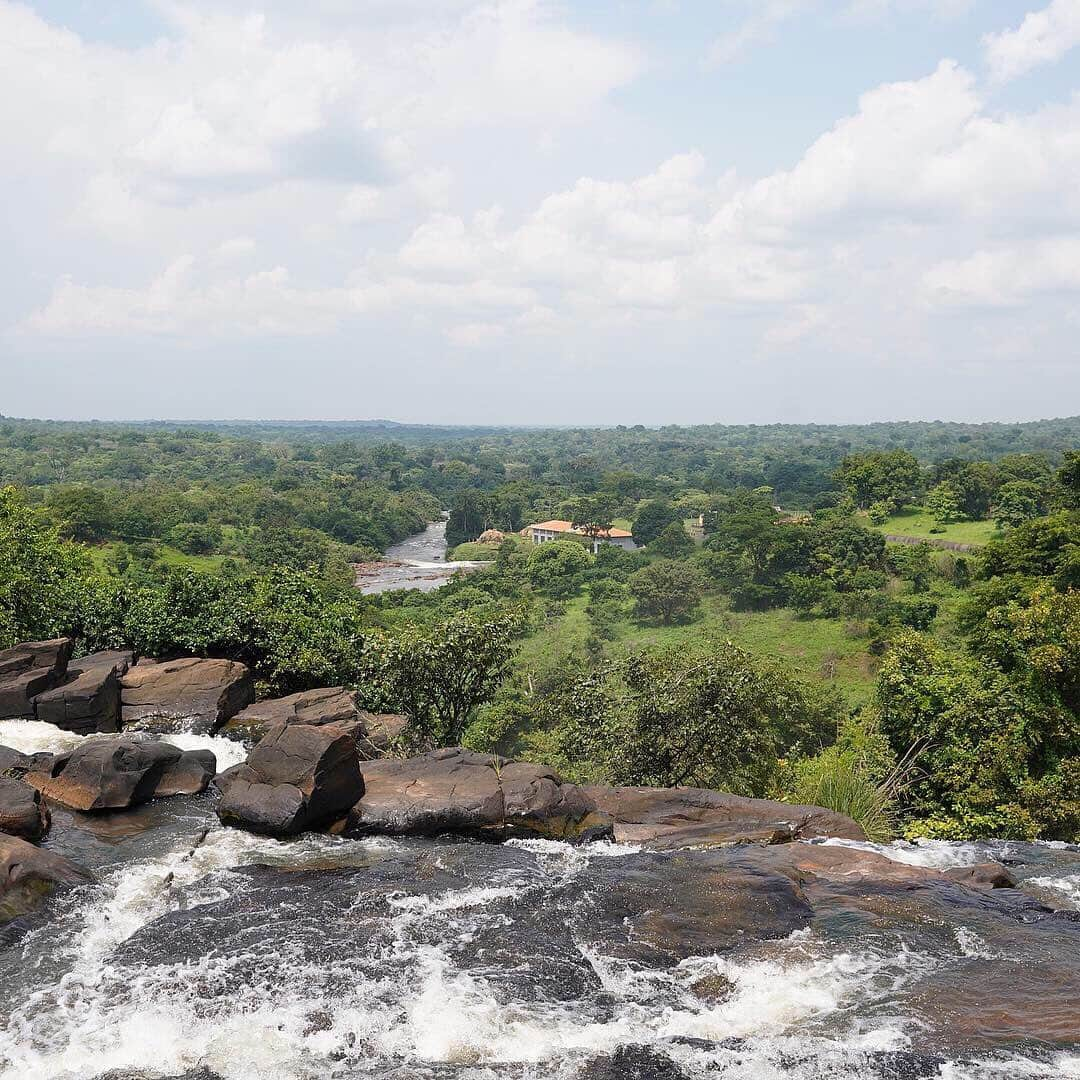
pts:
[915, 521]
[819, 650]
[101, 554]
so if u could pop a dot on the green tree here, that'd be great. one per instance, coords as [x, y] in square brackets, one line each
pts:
[673, 543]
[557, 568]
[996, 756]
[943, 503]
[707, 717]
[40, 574]
[1016, 502]
[667, 591]
[438, 676]
[892, 477]
[652, 519]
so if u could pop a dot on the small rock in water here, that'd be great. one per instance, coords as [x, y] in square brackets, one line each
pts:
[713, 988]
[632, 1063]
[22, 812]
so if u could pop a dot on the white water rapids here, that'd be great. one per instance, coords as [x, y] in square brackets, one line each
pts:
[336, 959]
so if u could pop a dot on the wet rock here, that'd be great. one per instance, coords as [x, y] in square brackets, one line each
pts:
[184, 695]
[692, 817]
[458, 791]
[116, 774]
[22, 812]
[299, 777]
[190, 774]
[88, 698]
[632, 1063]
[712, 988]
[381, 733]
[988, 875]
[192, 1074]
[29, 669]
[13, 762]
[329, 705]
[27, 873]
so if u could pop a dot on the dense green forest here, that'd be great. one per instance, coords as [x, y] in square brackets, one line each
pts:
[765, 638]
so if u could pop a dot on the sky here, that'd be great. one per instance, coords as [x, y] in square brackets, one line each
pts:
[526, 211]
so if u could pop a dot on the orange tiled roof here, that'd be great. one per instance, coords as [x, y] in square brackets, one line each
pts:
[568, 526]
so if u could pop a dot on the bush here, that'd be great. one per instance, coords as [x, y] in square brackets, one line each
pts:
[713, 718]
[667, 591]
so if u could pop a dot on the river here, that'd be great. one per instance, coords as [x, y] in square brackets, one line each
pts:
[415, 563]
[204, 951]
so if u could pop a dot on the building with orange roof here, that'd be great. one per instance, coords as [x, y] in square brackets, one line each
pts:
[544, 531]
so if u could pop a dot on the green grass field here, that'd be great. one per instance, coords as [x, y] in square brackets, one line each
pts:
[819, 650]
[171, 556]
[915, 521]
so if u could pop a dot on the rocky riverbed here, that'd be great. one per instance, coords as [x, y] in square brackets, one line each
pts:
[416, 563]
[457, 917]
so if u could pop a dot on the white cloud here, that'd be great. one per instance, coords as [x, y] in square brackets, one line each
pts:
[1007, 276]
[389, 170]
[475, 335]
[759, 26]
[1042, 38]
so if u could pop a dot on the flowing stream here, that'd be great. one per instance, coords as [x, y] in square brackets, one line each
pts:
[416, 563]
[323, 958]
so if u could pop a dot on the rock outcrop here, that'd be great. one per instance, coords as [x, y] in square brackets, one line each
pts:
[693, 817]
[27, 873]
[328, 705]
[87, 700]
[375, 733]
[458, 791]
[299, 777]
[117, 774]
[22, 811]
[184, 695]
[28, 670]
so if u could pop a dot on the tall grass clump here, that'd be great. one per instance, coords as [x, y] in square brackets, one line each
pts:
[858, 776]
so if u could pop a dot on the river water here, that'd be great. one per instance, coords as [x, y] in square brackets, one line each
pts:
[415, 563]
[324, 958]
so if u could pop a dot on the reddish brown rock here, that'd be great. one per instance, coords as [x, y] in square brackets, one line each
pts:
[28, 872]
[299, 777]
[22, 811]
[380, 733]
[457, 791]
[184, 695]
[30, 669]
[329, 705]
[987, 875]
[693, 817]
[88, 699]
[116, 774]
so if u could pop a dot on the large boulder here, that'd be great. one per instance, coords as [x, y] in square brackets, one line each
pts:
[29, 669]
[693, 817]
[184, 695]
[299, 777]
[27, 873]
[117, 774]
[458, 791]
[22, 811]
[380, 733]
[88, 699]
[328, 705]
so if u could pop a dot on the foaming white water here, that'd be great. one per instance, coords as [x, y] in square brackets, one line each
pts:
[1059, 1067]
[36, 737]
[932, 854]
[99, 1017]
[1069, 886]
[597, 849]
[228, 752]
